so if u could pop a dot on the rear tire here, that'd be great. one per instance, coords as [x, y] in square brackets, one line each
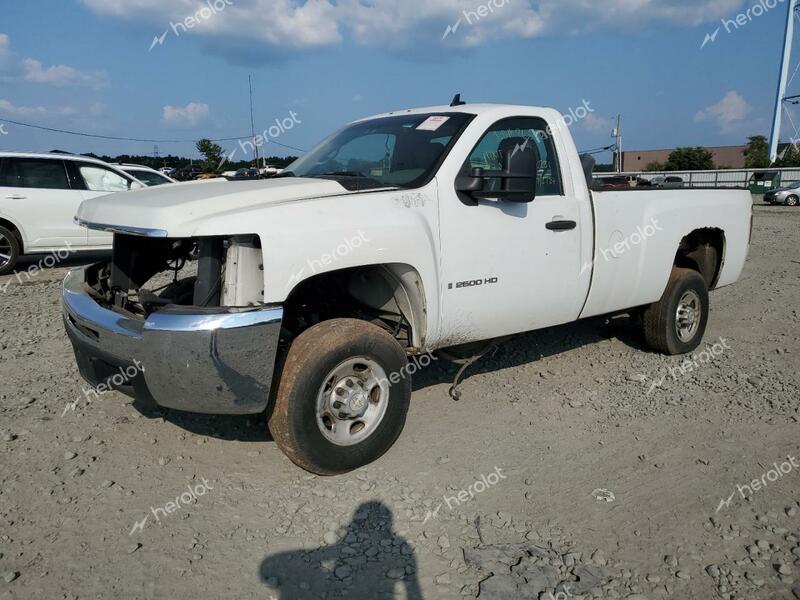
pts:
[676, 323]
[335, 408]
[9, 251]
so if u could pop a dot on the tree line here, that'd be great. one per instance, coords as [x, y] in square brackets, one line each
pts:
[756, 156]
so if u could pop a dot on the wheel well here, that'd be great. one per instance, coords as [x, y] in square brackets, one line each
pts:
[389, 295]
[13, 229]
[703, 250]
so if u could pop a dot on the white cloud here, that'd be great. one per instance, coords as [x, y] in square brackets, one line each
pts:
[61, 75]
[594, 122]
[10, 109]
[185, 116]
[358, 98]
[301, 24]
[728, 113]
[5, 47]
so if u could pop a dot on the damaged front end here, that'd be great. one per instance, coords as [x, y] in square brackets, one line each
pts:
[189, 311]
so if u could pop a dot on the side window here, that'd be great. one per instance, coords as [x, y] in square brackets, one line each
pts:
[34, 173]
[518, 132]
[5, 175]
[99, 179]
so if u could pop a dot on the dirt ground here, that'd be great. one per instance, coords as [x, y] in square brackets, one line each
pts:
[575, 465]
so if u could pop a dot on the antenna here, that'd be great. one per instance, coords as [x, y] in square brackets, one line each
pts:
[783, 83]
[457, 101]
[252, 122]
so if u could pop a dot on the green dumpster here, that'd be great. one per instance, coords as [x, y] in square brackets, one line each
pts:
[763, 181]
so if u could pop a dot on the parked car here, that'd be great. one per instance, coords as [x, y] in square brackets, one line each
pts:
[39, 196]
[166, 170]
[146, 175]
[614, 183]
[788, 195]
[188, 173]
[668, 182]
[268, 171]
[241, 174]
[387, 241]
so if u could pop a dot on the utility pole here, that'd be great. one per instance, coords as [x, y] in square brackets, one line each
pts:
[783, 83]
[617, 133]
[252, 121]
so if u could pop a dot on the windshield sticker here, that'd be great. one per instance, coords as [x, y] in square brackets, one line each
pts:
[433, 123]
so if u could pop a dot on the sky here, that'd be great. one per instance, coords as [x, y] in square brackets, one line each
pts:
[178, 69]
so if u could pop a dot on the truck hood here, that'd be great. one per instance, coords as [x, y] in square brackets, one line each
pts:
[161, 209]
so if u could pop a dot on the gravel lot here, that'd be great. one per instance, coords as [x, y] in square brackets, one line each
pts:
[576, 465]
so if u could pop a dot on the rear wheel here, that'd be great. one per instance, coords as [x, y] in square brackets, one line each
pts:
[343, 396]
[792, 201]
[676, 323]
[9, 251]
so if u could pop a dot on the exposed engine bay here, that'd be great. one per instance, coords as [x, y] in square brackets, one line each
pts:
[147, 274]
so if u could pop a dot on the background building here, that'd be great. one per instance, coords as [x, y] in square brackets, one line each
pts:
[724, 156]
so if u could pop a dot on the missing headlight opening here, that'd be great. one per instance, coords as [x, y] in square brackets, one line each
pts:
[146, 274]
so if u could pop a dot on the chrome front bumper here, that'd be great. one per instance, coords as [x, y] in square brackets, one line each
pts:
[213, 361]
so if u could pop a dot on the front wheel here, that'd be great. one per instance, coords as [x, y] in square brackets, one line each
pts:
[9, 251]
[792, 201]
[343, 397]
[676, 323]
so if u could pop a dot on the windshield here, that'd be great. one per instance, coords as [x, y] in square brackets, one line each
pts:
[399, 151]
[149, 178]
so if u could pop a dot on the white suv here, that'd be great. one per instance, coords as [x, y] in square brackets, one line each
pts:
[39, 196]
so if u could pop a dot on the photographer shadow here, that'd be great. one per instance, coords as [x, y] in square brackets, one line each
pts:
[371, 562]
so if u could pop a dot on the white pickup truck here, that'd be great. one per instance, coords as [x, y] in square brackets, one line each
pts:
[313, 296]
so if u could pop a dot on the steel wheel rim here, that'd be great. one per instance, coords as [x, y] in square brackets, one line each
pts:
[352, 401]
[5, 251]
[688, 315]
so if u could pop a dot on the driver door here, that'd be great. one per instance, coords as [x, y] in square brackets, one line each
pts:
[509, 267]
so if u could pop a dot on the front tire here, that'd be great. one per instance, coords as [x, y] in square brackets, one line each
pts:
[343, 397]
[676, 323]
[9, 251]
[792, 201]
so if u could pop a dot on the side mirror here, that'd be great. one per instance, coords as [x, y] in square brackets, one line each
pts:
[469, 184]
[515, 182]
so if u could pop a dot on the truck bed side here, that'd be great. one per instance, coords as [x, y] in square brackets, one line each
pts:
[638, 235]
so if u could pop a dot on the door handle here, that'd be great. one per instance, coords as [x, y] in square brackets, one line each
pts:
[561, 225]
[15, 197]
